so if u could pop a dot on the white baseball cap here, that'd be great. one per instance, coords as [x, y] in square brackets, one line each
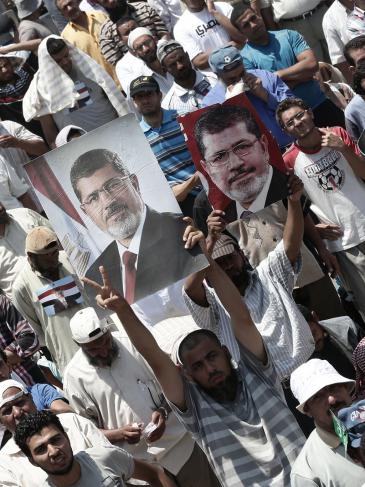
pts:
[5, 385]
[311, 377]
[86, 326]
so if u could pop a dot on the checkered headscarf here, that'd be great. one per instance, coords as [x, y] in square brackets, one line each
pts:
[358, 361]
[52, 89]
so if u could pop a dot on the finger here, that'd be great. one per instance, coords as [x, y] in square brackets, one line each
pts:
[104, 276]
[188, 220]
[217, 213]
[91, 283]
[187, 232]
[323, 130]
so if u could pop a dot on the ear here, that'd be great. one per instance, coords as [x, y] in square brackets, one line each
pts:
[135, 183]
[265, 146]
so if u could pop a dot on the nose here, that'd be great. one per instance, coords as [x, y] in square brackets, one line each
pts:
[331, 400]
[17, 413]
[52, 451]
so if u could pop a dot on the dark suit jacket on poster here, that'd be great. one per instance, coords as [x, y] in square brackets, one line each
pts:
[162, 258]
[202, 208]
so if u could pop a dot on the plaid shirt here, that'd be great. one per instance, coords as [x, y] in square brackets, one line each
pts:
[112, 47]
[16, 335]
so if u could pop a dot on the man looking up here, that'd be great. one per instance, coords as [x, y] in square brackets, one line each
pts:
[328, 162]
[265, 90]
[143, 46]
[167, 142]
[83, 30]
[224, 407]
[115, 402]
[323, 461]
[15, 468]
[203, 27]
[42, 438]
[354, 52]
[286, 53]
[38, 293]
[190, 86]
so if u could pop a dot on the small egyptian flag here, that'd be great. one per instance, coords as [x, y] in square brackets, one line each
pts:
[59, 295]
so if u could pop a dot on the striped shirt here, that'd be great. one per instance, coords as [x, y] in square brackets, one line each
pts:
[112, 46]
[168, 144]
[269, 300]
[251, 441]
[16, 335]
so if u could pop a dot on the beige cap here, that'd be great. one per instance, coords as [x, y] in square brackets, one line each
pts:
[86, 326]
[38, 240]
[224, 246]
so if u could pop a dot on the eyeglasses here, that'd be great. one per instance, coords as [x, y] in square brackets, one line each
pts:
[240, 150]
[110, 188]
[299, 116]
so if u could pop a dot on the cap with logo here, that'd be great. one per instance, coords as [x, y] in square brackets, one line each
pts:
[143, 83]
[86, 326]
[312, 376]
[7, 384]
[353, 418]
[225, 59]
[39, 240]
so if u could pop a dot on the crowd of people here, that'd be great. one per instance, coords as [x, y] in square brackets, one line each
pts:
[249, 372]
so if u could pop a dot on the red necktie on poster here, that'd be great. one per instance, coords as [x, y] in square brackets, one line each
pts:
[129, 261]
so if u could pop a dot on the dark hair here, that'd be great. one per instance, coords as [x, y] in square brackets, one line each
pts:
[124, 20]
[355, 43]
[238, 10]
[289, 103]
[33, 424]
[359, 75]
[55, 45]
[193, 339]
[3, 356]
[223, 117]
[89, 162]
[305, 312]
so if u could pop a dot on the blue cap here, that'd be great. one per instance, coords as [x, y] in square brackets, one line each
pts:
[353, 419]
[224, 59]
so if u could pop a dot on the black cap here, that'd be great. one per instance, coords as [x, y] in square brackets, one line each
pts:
[143, 83]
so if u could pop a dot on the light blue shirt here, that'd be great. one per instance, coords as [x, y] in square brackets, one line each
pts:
[355, 117]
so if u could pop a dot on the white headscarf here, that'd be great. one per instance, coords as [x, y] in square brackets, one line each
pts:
[52, 90]
[62, 137]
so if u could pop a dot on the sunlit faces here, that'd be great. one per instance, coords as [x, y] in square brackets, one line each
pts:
[50, 450]
[148, 102]
[233, 76]
[112, 201]
[251, 25]
[13, 411]
[63, 59]
[69, 9]
[195, 5]
[6, 70]
[335, 397]
[102, 351]
[178, 64]
[145, 47]
[237, 162]
[297, 122]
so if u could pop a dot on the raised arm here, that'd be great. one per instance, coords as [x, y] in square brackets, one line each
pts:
[294, 226]
[163, 367]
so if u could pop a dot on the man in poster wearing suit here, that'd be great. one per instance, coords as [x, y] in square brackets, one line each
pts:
[235, 156]
[147, 253]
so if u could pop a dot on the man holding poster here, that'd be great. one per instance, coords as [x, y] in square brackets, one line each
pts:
[147, 253]
[235, 156]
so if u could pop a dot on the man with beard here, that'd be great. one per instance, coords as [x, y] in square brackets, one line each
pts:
[15, 404]
[324, 459]
[236, 412]
[144, 240]
[190, 86]
[42, 438]
[235, 156]
[142, 61]
[47, 293]
[129, 407]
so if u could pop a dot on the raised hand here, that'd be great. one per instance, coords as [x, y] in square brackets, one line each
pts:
[331, 140]
[107, 297]
[295, 186]
[192, 236]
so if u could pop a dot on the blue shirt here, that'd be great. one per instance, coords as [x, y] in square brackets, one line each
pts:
[168, 144]
[43, 395]
[280, 53]
[277, 91]
[355, 117]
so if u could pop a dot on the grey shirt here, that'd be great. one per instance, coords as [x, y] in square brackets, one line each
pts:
[355, 117]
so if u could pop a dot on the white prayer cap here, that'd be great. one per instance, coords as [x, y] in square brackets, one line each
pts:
[7, 384]
[138, 32]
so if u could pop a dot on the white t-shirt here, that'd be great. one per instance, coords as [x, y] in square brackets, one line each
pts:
[199, 32]
[337, 194]
[102, 466]
[335, 31]
[288, 9]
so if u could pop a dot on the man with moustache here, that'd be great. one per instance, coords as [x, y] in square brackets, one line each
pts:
[147, 253]
[323, 461]
[235, 155]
